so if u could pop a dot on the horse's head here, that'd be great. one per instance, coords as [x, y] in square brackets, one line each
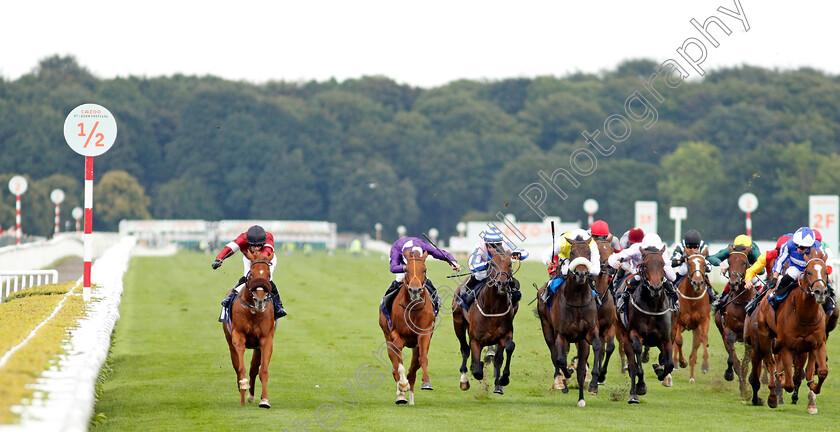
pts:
[579, 264]
[415, 273]
[258, 283]
[652, 270]
[605, 249]
[500, 270]
[696, 269]
[815, 276]
[738, 265]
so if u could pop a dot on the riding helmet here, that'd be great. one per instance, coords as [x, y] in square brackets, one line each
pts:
[600, 228]
[636, 235]
[817, 236]
[804, 237]
[493, 235]
[743, 240]
[255, 235]
[782, 240]
[692, 239]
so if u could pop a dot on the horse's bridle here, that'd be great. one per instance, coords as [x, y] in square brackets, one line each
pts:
[254, 309]
[810, 290]
[737, 273]
[508, 291]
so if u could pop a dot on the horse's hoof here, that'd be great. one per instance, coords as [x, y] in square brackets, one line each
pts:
[264, 404]
[465, 386]
[641, 390]
[478, 375]
[668, 381]
[504, 380]
[812, 409]
[691, 380]
[704, 369]
[581, 403]
[565, 390]
[593, 389]
[683, 364]
[633, 399]
[404, 386]
[498, 390]
[728, 375]
[401, 400]
[772, 402]
[426, 386]
[758, 401]
[251, 398]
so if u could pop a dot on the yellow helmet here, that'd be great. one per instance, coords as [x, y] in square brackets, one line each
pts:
[743, 240]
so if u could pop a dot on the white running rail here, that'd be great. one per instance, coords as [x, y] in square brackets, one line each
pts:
[834, 277]
[14, 281]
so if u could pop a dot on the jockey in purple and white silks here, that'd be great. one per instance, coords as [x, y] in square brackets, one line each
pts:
[397, 266]
[492, 242]
[633, 256]
[793, 254]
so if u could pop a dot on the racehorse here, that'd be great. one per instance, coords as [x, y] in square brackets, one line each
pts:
[252, 327]
[694, 312]
[489, 322]
[573, 317]
[412, 327]
[784, 339]
[731, 322]
[606, 314]
[648, 322]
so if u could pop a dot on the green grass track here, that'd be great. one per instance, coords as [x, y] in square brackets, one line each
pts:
[171, 368]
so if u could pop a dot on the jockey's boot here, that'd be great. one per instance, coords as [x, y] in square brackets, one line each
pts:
[515, 293]
[750, 306]
[390, 295]
[712, 294]
[672, 292]
[279, 311]
[831, 302]
[592, 284]
[720, 303]
[785, 285]
[545, 296]
[468, 293]
[433, 294]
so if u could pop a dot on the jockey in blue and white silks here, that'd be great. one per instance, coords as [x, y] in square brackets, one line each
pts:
[793, 253]
[492, 242]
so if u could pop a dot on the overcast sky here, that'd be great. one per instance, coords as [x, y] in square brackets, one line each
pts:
[423, 43]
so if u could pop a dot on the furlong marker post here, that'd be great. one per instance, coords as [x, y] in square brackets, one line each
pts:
[89, 130]
[17, 185]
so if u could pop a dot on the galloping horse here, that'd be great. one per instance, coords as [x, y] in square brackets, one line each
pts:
[793, 333]
[648, 322]
[573, 317]
[252, 327]
[489, 321]
[412, 328]
[694, 312]
[606, 314]
[731, 322]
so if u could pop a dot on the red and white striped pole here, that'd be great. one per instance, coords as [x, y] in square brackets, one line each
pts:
[57, 197]
[88, 255]
[57, 218]
[17, 218]
[749, 225]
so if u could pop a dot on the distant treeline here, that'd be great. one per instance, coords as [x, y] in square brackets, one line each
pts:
[372, 150]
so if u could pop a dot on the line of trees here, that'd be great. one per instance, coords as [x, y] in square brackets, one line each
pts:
[372, 150]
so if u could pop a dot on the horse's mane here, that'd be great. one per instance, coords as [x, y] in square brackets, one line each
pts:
[651, 249]
[740, 248]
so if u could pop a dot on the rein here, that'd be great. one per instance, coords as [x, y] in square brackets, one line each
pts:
[406, 284]
[633, 302]
[487, 288]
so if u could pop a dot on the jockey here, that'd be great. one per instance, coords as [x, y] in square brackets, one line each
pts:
[256, 240]
[601, 231]
[691, 240]
[632, 257]
[765, 261]
[793, 254]
[630, 237]
[398, 268]
[558, 257]
[492, 242]
[723, 255]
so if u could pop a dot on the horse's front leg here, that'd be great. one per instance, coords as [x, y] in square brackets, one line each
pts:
[676, 335]
[509, 347]
[598, 350]
[396, 357]
[630, 355]
[412, 373]
[609, 347]
[583, 357]
[253, 372]
[265, 351]
[498, 359]
[786, 368]
[822, 366]
[703, 332]
[638, 348]
[729, 344]
[423, 343]
[477, 364]
[238, 355]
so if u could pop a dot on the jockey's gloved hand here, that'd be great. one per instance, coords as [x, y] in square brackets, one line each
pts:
[216, 264]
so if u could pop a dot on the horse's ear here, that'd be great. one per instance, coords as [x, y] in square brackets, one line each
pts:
[662, 250]
[248, 254]
[731, 249]
[568, 240]
[406, 253]
[425, 254]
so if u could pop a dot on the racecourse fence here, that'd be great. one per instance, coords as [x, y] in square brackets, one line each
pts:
[14, 281]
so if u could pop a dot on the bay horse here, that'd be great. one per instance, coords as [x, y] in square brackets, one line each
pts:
[784, 339]
[648, 322]
[730, 323]
[573, 318]
[252, 327]
[606, 314]
[412, 326]
[488, 322]
[694, 313]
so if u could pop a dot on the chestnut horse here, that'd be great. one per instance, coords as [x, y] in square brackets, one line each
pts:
[413, 322]
[731, 322]
[252, 327]
[573, 317]
[796, 332]
[606, 314]
[694, 312]
[489, 321]
[648, 322]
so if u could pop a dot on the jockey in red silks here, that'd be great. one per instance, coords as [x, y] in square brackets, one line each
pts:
[256, 240]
